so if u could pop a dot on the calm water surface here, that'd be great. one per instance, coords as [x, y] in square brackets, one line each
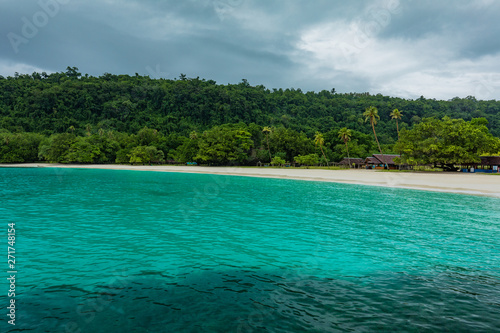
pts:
[128, 251]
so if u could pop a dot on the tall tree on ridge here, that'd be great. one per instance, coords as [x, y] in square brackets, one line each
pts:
[345, 134]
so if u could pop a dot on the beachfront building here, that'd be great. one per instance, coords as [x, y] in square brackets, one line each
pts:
[355, 162]
[488, 164]
[378, 161]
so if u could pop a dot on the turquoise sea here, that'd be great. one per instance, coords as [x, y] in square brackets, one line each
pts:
[130, 251]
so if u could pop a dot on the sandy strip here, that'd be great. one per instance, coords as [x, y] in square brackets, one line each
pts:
[465, 183]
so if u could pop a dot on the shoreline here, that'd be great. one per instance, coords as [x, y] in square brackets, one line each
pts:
[462, 183]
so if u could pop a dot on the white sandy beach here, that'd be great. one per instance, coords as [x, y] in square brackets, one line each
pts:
[465, 183]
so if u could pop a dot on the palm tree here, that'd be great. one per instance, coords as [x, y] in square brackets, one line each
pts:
[319, 140]
[267, 130]
[345, 134]
[396, 114]
[88, 128]
[372, 114]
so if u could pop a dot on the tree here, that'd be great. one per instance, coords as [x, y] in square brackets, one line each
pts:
[223, 145]
[83, 151]
[446, 143]
[310, 159]
[146, 154]
[396, 114]
[345, 134]
[372, 114]
[266, 130]
[320, 141]
[19, 147]
[291, 142]
[56, 148]
[277, 161]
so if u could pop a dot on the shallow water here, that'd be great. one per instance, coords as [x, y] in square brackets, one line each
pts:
[129, 251]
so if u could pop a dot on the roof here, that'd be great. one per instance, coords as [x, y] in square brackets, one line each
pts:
[372, 160]
[385, 159]
[353, 160]
[490, 160]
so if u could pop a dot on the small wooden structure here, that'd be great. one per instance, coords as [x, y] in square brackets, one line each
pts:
[354, 161]
[488, 164]
[378, 161]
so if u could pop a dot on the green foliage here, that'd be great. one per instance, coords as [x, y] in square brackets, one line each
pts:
[84, 119]
[310, 159]
[446, 142]
[55, 102]
[359, 145]
[19, 147]
[262, 155]
[224, 145]
[57, 147]
[278, 161]
[291, 142]
[146, 155]
[82, 151]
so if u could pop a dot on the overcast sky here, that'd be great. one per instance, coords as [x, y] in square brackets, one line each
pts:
[406, 48]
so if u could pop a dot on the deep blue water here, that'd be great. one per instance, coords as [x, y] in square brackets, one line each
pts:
[128, 251]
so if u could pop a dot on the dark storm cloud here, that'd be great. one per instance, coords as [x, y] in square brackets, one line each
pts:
[470, 25]
[409, 48]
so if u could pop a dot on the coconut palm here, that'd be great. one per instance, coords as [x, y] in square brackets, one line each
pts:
[396, 114]
[267, 130]
[193, 135]
[372, 114]
[319, 140]
[345, 134]
[89, 129]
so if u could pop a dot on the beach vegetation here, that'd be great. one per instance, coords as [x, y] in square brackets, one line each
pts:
[68, 117]
[278, 161]
[319, 140]
[396, 114]
[311, 159]
[446, 143]
[345, 134]
[371, 113]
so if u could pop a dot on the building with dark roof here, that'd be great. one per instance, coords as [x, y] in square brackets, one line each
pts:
[354, 161]
[488, 164]
[378, 161]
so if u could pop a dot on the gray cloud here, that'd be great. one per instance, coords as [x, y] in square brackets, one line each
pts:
[404, 48]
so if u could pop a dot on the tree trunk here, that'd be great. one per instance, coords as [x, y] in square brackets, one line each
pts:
[348, 158]
[268, 149]
[324, 155]
[397, 127]
[376, 139]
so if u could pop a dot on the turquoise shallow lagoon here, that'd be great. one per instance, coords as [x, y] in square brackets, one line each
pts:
[128, 251]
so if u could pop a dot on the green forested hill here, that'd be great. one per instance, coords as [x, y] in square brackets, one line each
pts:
[53, 103]
[105, 118]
